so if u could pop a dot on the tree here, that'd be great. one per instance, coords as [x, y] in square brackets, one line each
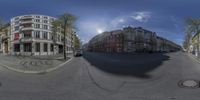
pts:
[55, 27]
[67, 22]
[192, 28]
[1, 23]
[76, 42]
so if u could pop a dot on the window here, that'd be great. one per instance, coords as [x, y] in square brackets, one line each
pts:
[37, 20]
[37, 25]
[58, 38]
[45, 17]
[45, 27]
[45, 47]
[16, 28]
[50, 28]
[52, 37]
[37, 47]
[27, 35]
[27, 47]
[52, 48]
[62, 39]
[45, 35]
[45, 21]
[27, 25]
[16, 47]
[16, 22]
[37, 16]
[37, 34]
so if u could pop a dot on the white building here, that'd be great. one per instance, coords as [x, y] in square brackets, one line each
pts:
[32, 35]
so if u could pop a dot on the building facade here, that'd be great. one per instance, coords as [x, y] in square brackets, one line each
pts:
[131, 40]
[195, 45]
[5, 39]
[139, 40]
[107, 42]
[32, 35]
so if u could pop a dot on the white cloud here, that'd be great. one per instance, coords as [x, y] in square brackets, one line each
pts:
[93, 27]
[117, 21]
[143, 16]
[121, 20]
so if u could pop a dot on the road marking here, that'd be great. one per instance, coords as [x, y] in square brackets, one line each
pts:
[36, 72]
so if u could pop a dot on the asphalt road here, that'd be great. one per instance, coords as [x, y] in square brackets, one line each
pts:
[98, 76]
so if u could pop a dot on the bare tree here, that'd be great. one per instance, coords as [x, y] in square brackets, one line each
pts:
[55, 27]
[67, 22]
[192, 28]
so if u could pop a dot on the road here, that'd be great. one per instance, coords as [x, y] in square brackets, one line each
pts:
[98, 76]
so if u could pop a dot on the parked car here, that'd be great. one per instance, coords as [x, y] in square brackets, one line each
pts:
[78, 52]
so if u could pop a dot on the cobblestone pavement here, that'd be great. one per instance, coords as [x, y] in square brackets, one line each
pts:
[31, 64]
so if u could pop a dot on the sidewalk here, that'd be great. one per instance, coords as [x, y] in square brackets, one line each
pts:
[47, 57]
[33, 64]
[193, 56]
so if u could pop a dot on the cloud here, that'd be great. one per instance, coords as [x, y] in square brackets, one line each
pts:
[143, 16]
[92, 27]
[118, 21]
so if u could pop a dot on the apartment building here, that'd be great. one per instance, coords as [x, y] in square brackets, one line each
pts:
[32, 35]
[107, 42]
[131, 40]
[139, 40]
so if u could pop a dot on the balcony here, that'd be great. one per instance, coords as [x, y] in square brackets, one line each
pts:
[27, 27]
[26, 17]
[26, 21]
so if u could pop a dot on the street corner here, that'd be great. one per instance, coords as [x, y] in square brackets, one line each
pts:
[32, 65]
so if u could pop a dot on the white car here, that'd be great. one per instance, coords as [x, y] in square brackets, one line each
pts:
[78, 52]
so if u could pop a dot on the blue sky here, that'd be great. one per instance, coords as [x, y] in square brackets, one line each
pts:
[165, 17]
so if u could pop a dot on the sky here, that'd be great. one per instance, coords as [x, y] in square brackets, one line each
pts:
[165, 17]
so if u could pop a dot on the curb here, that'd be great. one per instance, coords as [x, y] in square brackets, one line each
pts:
[36, 72]
[52, 69]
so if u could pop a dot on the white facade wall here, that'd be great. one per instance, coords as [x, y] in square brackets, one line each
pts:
[33, 24]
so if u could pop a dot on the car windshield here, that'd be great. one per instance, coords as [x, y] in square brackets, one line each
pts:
[99, 49]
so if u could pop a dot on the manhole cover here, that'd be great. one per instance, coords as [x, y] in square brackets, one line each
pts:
[189, 83]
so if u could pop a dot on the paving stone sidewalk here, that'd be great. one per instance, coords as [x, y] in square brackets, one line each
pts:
[32, 64]
[195, 57]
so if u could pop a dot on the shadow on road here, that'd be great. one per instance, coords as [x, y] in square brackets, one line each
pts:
[137, 65]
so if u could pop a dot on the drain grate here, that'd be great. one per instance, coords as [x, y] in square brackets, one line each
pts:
[190, 83]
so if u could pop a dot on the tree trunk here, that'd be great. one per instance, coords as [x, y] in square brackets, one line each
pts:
[65, 40]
